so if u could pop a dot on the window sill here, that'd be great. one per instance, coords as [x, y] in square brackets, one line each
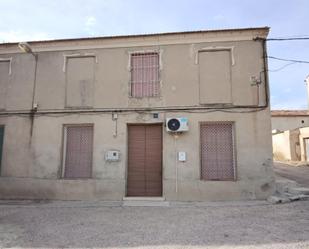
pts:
[218, 180]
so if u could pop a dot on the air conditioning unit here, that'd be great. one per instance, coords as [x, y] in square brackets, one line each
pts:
[177, 124]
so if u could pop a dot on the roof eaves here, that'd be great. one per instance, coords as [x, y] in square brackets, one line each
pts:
[143, 35]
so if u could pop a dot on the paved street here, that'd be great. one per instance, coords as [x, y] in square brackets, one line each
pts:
[224, 225]
[300, 174]
[249, 225]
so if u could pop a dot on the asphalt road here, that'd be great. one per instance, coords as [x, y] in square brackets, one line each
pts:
[226, 226]
[300, 174]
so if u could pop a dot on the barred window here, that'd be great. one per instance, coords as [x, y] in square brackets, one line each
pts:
[145, 75]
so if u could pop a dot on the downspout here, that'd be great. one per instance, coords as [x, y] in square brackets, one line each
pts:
[265, 71]
[33, 108]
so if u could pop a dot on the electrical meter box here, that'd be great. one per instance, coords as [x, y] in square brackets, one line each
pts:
[112, 156]
[182, 156]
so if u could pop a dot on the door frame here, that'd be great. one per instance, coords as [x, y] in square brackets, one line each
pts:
[127, 152]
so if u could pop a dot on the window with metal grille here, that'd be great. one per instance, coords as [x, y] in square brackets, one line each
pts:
[145, 75]
[217, 151]
[78, 151]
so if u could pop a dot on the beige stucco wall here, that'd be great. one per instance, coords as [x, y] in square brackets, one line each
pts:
[281, 146]
[32, 164]
[289, 123]
[179, 75]
[33, 170]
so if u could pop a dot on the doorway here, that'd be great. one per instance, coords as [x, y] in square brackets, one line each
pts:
[144, 160]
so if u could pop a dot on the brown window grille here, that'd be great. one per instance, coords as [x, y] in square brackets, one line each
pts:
[217, 151]
[145, 75]
[78, 152]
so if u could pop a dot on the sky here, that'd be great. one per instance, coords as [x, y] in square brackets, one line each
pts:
[43, 19]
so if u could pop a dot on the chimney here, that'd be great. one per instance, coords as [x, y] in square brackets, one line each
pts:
[307, 84]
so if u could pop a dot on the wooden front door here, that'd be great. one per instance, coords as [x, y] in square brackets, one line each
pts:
[144, 160]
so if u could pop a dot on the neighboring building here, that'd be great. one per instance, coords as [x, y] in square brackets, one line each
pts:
[283, 120]
[85, 118]
[290, 135]
[290, 129]
[291, 145]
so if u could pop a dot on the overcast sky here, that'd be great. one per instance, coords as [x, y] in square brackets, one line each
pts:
[37, 20]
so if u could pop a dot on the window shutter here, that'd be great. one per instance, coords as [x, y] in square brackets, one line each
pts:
[217, 151]
[215, 77]
[78, 160]
[80, 82]
[4, 81]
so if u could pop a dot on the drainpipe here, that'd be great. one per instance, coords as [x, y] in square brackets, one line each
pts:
[25, 47]
[34, 107]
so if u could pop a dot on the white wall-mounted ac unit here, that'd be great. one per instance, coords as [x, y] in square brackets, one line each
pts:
[177, 124]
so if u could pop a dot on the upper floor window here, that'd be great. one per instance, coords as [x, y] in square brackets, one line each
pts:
[145, 74]
[215, 74]
[80, 78]
[5, 71]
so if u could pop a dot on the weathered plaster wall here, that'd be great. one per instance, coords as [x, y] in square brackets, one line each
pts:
[281, 146]
[289, 123]
[179, 75]
[33, 170]
[32, 164]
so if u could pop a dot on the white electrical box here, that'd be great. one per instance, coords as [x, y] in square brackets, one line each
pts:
[112, 155]
[182, 156]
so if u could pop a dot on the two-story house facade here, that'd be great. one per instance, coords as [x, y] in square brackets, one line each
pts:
[87, 118]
